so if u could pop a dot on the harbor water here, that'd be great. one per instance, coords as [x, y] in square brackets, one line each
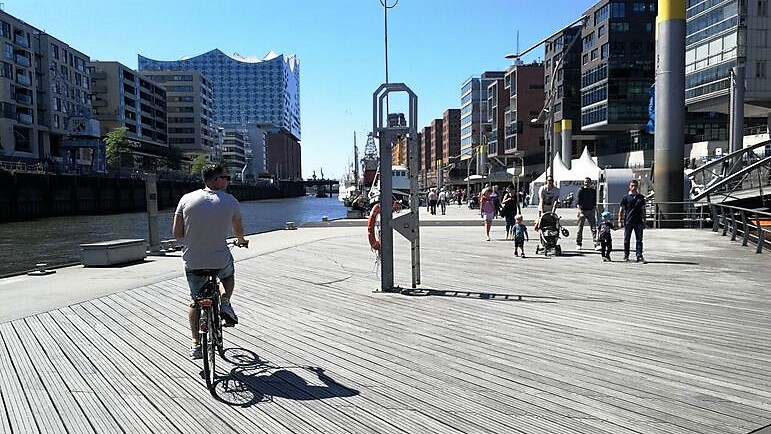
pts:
[56, 241]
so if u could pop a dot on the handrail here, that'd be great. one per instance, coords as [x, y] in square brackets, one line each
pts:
[753, 225]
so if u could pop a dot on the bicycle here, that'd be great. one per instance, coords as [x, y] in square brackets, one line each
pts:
[209, 321]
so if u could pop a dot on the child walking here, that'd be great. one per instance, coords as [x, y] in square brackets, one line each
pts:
[520, 235]
[603, 233]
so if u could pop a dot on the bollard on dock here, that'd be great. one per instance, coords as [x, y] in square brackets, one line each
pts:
[40, 270]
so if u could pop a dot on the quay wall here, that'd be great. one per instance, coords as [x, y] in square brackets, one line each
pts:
[27, 196]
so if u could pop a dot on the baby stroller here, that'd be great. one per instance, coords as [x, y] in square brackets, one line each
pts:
[550, 229]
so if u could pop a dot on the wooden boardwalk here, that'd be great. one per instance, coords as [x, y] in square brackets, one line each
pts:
[679, 345]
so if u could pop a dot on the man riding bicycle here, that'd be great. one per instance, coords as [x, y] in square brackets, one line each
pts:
[201, 223]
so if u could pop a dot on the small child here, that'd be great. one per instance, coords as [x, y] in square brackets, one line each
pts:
[603, 234]
[520, 235]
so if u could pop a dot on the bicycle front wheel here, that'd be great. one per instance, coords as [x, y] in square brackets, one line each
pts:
[209, 347]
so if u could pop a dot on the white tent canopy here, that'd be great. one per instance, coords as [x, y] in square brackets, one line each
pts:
[568, 180]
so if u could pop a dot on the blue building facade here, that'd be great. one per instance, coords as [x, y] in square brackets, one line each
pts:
[247, 90]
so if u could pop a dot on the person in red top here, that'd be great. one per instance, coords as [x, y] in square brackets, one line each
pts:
[487, 210]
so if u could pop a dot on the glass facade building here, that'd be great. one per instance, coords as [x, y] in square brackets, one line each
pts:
[720, 35]
[246, 90]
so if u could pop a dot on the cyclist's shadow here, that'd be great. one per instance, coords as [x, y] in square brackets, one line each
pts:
[253, 380]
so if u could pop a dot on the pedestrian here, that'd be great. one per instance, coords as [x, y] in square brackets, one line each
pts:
[443, 200]
[520, 235]
[548, 195]
[201, 223]
[432, 198]
[631, 217]
[487, 210]
[603, 236]
[496, 199]
[509, 211]
[587, 200]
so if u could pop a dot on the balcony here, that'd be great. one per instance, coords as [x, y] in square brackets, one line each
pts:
[23, 60]
[24, 118]
[21, 40]
[100, 88]
[23, 79]
[23, 98]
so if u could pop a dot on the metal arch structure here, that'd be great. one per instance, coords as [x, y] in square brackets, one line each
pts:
[407, 224]
[733, 176]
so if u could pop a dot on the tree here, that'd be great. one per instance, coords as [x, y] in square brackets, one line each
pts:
[173, 158]
[197, 166]
[117, 149]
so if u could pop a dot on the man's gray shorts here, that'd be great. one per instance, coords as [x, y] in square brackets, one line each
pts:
[196, 282]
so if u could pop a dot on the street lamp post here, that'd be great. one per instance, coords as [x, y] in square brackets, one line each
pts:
[548, 108]
[468, 170]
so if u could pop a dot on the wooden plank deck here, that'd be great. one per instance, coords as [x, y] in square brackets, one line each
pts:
[679, 345]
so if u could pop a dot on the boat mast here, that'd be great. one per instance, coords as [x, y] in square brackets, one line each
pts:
[355, 162]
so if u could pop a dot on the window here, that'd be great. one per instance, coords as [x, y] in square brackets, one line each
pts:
[604, 51]
[6, 29]
[638, 7]
[601, 14]
[601, 31]
[595, 54]
[762, 8]
[619, 26]
[760, 69]
[588, 41]
[617, 10]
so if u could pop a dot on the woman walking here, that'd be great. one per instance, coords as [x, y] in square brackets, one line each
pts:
[487, 210]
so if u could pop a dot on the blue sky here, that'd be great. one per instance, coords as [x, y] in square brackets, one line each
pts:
[434, 45]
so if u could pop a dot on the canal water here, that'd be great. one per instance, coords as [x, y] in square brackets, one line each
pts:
[56, 241]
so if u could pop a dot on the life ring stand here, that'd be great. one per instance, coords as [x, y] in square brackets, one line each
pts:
[374, 243]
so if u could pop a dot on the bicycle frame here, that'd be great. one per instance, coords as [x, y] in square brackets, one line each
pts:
[210, 328]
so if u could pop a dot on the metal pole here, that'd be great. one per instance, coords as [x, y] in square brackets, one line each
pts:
[670, 105]
[736, 121]
[151, 193]
[385, 42]
[567, 142]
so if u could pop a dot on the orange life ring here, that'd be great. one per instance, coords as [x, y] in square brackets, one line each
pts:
[373, 241]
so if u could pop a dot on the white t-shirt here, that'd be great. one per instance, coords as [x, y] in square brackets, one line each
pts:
[208, 216]
[548, 198]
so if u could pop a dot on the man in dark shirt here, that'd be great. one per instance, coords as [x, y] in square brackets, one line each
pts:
[632, 215]
[587, 200]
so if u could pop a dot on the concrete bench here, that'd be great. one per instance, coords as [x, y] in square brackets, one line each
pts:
[112, 252]
[354, 214]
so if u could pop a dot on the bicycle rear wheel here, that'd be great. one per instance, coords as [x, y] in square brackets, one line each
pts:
[209, 347]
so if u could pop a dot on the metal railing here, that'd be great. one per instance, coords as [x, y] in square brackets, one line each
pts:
[750, 224]
[678, 215]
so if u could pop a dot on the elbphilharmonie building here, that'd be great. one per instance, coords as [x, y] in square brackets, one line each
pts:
[247, 90]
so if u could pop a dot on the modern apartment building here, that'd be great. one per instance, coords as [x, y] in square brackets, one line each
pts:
[189, 105]
[234, 151]
[473, 111]
[124, 98]
[283, 155]
[497, 100]
[562, 81]
[450, 136]
[525, 89]
[436, 149]
[617, 65]
[45, 111]
[424, 153]
[719, 36]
